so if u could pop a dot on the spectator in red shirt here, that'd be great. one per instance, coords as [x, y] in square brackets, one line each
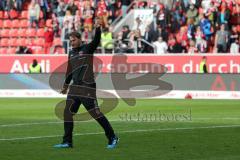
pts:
[88, 13]
[102, 12]
[49, 37]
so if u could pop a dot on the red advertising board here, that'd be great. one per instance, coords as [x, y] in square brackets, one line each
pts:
[108, 63]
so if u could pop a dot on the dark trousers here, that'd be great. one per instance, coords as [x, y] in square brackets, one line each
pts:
[221, 48]
[72, 105]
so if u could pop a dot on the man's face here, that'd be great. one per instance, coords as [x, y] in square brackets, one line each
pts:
[222, 27]
[160, 39]
[75, 42]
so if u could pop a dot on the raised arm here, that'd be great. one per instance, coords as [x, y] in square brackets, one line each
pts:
[97, 38]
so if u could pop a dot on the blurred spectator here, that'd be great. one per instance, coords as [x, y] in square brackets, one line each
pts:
[2, 5]
[9, 5]
[205, 25]
[54, 5]
[203, 65]
[185, 4]
[182, 35]
[55, 25]
[131, 45]
[72, 7]
[161, 18]
[139, 25]
[34, 13]
[160, 33]
[49, 37]
[125, 34]
[19, 5]
[201, 45]
[87, 17]
[224, 15]
[221, 40]
[69, 18]
[61, 10]
[198, 35]
[107, 40]
[234, 48]
[136, 41]
[234, 35]
[102, 12]
[23, 50]
[87, 35]
[176, 47]
[174, 24]
[125, 4]
[64, 36]
[35, 67]
[149, 37]
[191, 29]
[192, 13]
[78, 27]
[44, 8]
[192, 47]
[111, 5]
[161, 46]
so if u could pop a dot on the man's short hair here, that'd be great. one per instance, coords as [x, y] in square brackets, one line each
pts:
[75, 34]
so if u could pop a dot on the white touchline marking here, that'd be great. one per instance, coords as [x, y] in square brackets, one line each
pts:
[42, 123]
[128, 131]
[114, 120]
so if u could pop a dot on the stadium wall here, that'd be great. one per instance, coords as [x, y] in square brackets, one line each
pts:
[224, 75]
[216, 63]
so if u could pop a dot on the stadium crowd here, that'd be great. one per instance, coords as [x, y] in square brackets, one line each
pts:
[179, 26]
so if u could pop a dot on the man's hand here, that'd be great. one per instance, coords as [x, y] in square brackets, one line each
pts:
[64, 89]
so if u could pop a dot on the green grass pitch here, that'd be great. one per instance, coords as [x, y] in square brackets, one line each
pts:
[153, 129]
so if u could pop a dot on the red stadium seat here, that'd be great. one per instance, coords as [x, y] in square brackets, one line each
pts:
[1, 15]
[1, 23]
[4, 32]
[21, 42]
[21, 32]
[13, 14]
[24, 23]
[39, 42]
[7, 23]
[5, 15]
[57, 42]
[40, 32]
[38, 50]
[11, 50]
[29, 41]
[13, 33]
[3, 50]
[24, 15]
[13, 42]
[15, 23]
[4, 42]
[31, 32]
